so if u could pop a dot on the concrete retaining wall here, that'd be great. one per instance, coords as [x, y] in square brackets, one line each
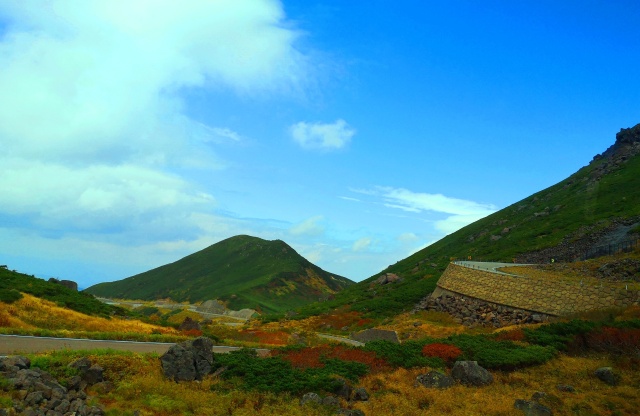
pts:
[549, 296]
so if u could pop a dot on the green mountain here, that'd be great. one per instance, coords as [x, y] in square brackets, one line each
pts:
[244, 271]
[597, 206]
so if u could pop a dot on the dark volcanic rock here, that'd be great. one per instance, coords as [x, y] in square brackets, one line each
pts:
[607, 375]
[189, 360]
[435, 379]
[471, 374]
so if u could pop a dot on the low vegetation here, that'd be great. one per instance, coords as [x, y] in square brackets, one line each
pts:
[11, 283]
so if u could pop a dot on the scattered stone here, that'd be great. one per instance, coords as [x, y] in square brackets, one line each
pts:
[310, 398]
[607, 375]
[532, 408]
[435, 379]
[331, 401]
[344, 389]
[360, 394]
[189, 360]
[471, 374]
[374, 334]
[566, 388]
[476, 312]
[36, 392]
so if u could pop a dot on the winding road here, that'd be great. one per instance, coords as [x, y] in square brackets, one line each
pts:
[11, 344]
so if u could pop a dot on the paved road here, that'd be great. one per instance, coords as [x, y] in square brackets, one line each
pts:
[341, 339]
[488, 266]
[11, 344]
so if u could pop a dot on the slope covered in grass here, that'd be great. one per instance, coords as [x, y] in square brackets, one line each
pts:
[12, 283]
[244, 271]
[562, 222]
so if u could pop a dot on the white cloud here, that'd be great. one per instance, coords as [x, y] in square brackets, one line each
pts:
[308, 227]
[92, 115]
[418, 202]
[321, 135]
[362, 244]
[461, 212]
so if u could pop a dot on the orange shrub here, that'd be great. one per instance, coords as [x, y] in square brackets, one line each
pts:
[265, 337]
[192, 332]
[445, 351]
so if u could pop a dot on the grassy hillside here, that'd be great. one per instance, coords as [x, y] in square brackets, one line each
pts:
[12, 284]
[244, 271]
[562, 222]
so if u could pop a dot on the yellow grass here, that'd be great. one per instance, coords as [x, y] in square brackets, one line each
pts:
[397, 393]
[32, 312]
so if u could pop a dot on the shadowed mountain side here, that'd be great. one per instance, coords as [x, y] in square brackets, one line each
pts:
[243, 271]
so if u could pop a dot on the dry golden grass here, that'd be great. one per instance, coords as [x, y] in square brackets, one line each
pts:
[397, 393]
[424, 324]
[32, 312]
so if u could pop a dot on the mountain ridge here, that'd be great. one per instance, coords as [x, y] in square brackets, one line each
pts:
[243, 271]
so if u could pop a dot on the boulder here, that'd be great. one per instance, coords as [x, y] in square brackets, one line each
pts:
[331, 401]
[189, 360]
[344, 389]
[435, 379]
[607, 375]
[360, 394]
[374, 334]
[471, 374]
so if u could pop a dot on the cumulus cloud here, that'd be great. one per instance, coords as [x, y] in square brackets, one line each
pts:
[322, 135]
[308, 227]
[93, 123]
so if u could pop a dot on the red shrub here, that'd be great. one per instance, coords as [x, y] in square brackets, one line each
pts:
[513, 335]
[614, 340]
[445, 351]
[312, 357]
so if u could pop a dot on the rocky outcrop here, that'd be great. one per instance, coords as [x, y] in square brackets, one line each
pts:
[189, 360]
[212, 306]
[39, 393]
[475, 312]
[69, 284]
[189, 324]
[388, 278]
[470, 373]
[375, 334]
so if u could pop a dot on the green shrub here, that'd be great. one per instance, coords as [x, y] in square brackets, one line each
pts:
[501, 355]
[559, 335]
[245, 370]
[9, 295]
[406, 355]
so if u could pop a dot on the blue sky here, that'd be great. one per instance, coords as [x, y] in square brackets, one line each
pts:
[137, 132]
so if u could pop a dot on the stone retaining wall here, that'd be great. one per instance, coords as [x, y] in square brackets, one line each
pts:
[548, 296]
